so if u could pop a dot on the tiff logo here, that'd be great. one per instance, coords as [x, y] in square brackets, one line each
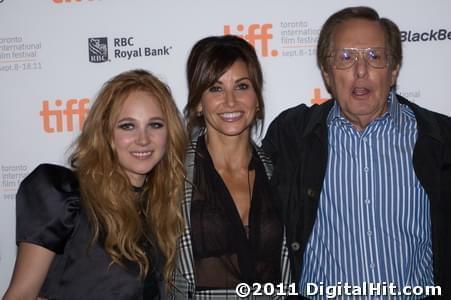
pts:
[255, 33]
[317, 99]
[52, 119]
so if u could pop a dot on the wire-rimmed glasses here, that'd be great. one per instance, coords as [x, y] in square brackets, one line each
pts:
[346, 57]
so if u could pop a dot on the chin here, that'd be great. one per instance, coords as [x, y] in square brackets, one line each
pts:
[143, 171]
[362, 108]
[234, 131]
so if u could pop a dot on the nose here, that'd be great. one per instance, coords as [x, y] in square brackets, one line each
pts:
[143, 137]
[230, 98]
[361, 66]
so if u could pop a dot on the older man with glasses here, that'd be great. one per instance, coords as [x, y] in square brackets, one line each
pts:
[364, 180]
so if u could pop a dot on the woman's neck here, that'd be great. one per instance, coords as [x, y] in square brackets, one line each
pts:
[230, 153]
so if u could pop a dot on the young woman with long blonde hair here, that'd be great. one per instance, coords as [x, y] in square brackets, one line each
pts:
[107, 228]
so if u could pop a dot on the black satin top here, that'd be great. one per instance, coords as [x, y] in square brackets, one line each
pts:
[49, 215]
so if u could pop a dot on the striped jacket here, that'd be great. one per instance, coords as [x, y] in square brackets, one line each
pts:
[183, 277]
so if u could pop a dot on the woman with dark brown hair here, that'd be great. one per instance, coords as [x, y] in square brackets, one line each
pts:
[108, 228]
[233, 233]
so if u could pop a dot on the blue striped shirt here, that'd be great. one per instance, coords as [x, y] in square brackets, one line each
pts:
[373, 222]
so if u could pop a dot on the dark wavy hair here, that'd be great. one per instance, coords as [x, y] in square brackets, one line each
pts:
[208, 60]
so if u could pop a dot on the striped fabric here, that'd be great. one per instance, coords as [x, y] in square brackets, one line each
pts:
[373, 222]
[183, 278]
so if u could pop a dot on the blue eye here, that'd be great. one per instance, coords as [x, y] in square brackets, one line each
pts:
[126, 126]
[156, 125]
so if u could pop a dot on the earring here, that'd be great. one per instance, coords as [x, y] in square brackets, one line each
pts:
[199, 114]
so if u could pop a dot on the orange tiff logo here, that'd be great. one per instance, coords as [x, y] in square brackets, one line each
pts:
[52, 119]
[255, 34]
[317, 99]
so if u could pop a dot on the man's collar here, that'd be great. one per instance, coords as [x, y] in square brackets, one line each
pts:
[394, 108]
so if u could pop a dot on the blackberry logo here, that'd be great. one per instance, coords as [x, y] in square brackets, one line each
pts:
[98, 49]
[426, 36]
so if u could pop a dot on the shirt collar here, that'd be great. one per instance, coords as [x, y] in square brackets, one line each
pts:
[394, 109]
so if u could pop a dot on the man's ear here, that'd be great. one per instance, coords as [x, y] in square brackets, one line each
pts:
[394, 75]
[326, 76]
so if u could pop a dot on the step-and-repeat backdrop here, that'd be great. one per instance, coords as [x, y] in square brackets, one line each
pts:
[55, 55]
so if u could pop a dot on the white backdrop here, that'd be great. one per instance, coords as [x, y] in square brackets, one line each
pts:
[47, 80]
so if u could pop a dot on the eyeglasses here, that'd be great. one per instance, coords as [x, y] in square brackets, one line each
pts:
[347, 57]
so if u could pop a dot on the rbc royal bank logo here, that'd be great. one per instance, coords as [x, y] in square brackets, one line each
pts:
[258, 35]
[98, 49]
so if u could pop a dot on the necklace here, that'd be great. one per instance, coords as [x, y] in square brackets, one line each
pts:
[247, 227]
[249, 184]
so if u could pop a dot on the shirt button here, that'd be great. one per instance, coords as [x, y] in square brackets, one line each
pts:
[366, 169]
[367, 201]
[372, 265]
[295, 246]
[365, 139]
[311, 193]
[369, 233]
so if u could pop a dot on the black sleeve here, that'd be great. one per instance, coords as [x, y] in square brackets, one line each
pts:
[271, 142]
[280, 139]
[47, 207]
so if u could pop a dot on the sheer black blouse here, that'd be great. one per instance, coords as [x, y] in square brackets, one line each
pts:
[49, 215]
[224, 254]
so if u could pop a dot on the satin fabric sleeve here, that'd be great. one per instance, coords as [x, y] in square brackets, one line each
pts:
[47, 207]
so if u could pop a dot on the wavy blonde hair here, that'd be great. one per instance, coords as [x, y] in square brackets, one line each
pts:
[107, 194]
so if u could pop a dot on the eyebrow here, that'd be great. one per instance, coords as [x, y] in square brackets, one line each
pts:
[130, 119]
[158, 119]
[238, 80]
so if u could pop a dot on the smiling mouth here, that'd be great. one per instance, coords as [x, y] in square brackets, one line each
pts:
[231, 116]
[141, 154]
